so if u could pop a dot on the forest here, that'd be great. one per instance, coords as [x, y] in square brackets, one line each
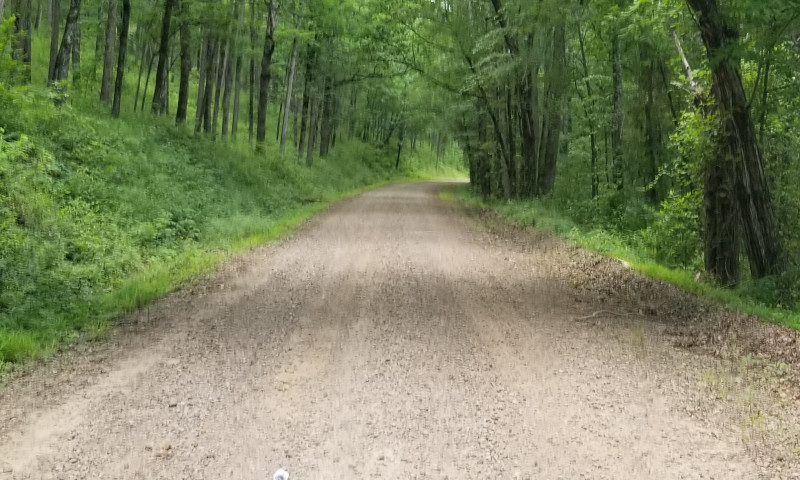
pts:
[142, 140]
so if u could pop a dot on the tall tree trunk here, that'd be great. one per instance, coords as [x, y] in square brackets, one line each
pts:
[160, 91]
[55, 22]
[738, 141]
[226, 96]
[2, 8]
[208, 92]
[186, 65]
[147, 81]
[651, 135]
[721, 242]
[237, 89]
[326, 121]
[289, 87]
[123, 53]
[99, 38]
[553, 122]
[76, 49]
[528, 90]
[307, 82]
[61, 67]
[512, 141]
[22, 22]
[762, 120]
[38, 18]
[141, 72]
[326, 118]
[222, 67]
[201, 84]
[238, 75]
[312, 133]
[108, 56]
[589, 110]
[618, 116]
[251, 104]
[266, 76]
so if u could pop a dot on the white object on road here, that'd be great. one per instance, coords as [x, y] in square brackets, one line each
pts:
[281, 474]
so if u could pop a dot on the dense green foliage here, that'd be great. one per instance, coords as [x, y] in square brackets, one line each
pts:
[626, 117]
[664, 128]
[101, 215]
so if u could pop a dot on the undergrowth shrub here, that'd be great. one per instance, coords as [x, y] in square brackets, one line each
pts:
[673, 239]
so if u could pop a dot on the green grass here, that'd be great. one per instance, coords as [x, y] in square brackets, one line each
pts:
[534, 214]
[100, 216]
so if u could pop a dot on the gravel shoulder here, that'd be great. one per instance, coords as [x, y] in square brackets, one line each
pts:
[399, 336]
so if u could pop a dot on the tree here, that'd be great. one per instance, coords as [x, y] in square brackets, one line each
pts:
[22, 22]
[738, 146]
[68, 41]
[108, 56]
[160, 91]
[55, 21]
[266, 75]
[122, 58]
[186, 65]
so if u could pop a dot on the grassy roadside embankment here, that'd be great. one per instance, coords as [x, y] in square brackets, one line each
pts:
[534, 214]
[99, 216]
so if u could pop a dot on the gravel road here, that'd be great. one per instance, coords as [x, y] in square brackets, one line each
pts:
[392, 337]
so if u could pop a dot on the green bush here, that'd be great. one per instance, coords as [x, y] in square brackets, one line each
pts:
[673, 239]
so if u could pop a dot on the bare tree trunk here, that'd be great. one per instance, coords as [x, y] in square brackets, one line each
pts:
[237, 89]
[139, 80]
[123, 53]
[22, 22]
[208, 92]
[312, 133]
[238, 75]
[309, 77]
[279, 122]
[160, 91]
[251, 105]
[108, 57]
[289, 87]
[589, 110]
[651, 134]
[553, 121]
[99, 38]
[201, 69]
[2, 8]
[147, 81]
[222, 68]
[226, 96]
[76, 50]
[738, 142]
[39, 10]
[55, 21]
[265, 77]
[529, 130]
[618, 114]
[186, 65]
[326, 121]
[61, 67]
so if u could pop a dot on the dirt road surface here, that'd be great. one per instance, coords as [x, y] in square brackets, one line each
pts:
[393, 338]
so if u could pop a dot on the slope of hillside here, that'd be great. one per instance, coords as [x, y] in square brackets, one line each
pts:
[99, 216]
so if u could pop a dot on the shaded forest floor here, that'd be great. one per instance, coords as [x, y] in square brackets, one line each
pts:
[399, 336]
